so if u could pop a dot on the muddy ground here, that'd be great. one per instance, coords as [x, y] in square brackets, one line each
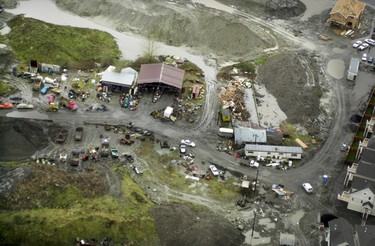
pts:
[177, 25]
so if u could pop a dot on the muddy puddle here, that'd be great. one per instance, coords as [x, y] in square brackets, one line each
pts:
[314, 7]
[336, 68]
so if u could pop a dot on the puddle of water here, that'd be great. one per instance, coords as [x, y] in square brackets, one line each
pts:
[5, 30]
[33, 114]
[314, 7]
[296, 217]
[267, 222]
[256, 239]
[336, 68]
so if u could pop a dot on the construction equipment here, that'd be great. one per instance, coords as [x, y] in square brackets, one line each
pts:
[52, 107]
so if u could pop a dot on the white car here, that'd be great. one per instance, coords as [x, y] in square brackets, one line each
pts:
[25, 106]
[214, 170]
[363, 46]
[370, 41]
[357, 44]
[188, 142]
[364, 57]
[182, 148]
[308, 188]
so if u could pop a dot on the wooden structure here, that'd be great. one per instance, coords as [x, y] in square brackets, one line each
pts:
[346, 14]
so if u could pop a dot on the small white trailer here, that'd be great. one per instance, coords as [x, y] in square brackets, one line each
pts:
[353, 69]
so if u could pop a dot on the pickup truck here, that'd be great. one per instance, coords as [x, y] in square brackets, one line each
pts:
[61, 137]
[78, 134]
[37, 85]
[68, 103]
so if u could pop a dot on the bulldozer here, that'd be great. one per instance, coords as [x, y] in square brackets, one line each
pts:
[52, 107]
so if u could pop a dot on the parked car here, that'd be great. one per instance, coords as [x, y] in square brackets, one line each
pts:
[214, 170]
[370, 59]
[137, 169]
[370, 41]
[6, 105]
[25, 106]
[129, 158]
[363, 46]
[45, 89]
[114, 153]
[15, 97]
[308, 188]
[357, 44]
[364, 57]
[188, 142]
[182, 148]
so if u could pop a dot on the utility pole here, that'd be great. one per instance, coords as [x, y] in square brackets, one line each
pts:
[256, 180]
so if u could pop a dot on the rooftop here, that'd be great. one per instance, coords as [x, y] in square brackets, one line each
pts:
[273, 148]
[161, 73]
[341, 232]
[249, 135]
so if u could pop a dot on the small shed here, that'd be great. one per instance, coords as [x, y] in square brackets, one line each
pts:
[49, 68]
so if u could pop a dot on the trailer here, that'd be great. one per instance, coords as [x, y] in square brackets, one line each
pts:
[353, 69]
[226, 132]
[61, 137]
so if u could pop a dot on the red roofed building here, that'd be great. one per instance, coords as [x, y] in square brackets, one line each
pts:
[160, 75]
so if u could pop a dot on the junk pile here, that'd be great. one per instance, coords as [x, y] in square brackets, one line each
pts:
[232, 98]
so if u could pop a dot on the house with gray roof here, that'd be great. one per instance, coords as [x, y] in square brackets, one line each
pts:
[247, 135]
[273, 151]
[364, 235]
[340, 233]
[119, 82]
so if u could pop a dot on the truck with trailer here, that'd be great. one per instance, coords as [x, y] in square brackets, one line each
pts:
[353, 69]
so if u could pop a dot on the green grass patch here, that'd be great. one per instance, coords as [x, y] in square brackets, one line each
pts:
[294, 133]
[261, 60]
[351, 156]
[126, 219]
[6, 88]
[63, 45]
[223, 190]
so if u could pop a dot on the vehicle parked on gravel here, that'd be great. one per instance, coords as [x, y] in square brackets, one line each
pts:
[308, 188]
[363, 46]
[370, 59]
[357, 44]
[188, 142]
[61, 137]
[182, 149]
[214, 170]
[6, 105]
[25, 106]
[370, 41]
[364, 57]
[68, 103]
[45, 89]
[78, 134]
[137, 169]
[114, 153]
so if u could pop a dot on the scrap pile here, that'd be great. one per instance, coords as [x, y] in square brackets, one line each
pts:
[232, 97]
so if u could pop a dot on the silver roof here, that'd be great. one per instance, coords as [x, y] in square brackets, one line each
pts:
[273, 148]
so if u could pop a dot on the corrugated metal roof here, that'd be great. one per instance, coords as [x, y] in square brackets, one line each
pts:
[161, 73]
[125, 78]
[249, 135]
[273, 148]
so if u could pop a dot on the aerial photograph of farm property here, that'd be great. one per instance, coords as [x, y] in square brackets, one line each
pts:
[187, 122]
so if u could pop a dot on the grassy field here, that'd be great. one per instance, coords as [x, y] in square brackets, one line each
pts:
[6, 88]
[71, 213]
[67, 46]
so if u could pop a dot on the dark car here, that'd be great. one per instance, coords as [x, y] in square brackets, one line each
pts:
[370, 59]
[15, 97]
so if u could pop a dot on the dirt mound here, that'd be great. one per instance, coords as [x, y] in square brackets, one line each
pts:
[295, 82]
[179, 224]
[285, 9]
[177, 25]
[20, 138]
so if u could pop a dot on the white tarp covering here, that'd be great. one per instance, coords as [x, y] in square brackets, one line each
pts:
[168, 112]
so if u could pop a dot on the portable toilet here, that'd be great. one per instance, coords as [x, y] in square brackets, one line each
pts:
[325, 179]
[225, 115]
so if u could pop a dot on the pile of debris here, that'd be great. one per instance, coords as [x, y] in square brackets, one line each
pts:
[232, 97]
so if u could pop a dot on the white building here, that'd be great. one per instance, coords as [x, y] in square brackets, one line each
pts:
[273, 151]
